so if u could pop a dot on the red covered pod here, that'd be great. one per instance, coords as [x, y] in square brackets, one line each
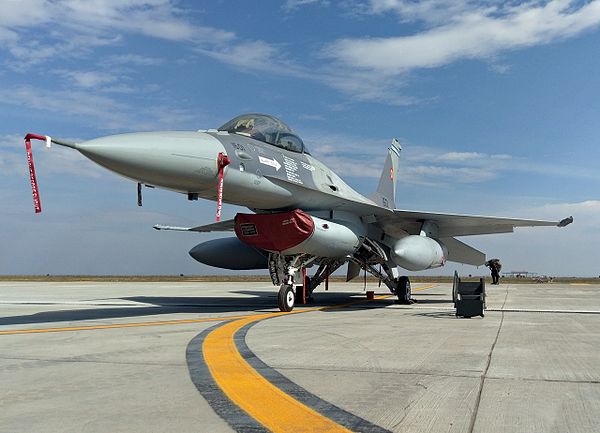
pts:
[274, 232]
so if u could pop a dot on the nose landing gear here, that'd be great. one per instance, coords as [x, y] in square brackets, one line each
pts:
[286, 298]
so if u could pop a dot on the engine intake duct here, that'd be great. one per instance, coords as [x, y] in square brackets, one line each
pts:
[296, 232]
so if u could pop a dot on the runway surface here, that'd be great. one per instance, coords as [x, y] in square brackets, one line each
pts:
[218, 357]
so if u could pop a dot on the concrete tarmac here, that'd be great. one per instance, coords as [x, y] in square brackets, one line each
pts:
[159, 357]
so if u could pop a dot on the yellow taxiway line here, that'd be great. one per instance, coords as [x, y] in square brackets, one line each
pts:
[245, 387]
[117, 325]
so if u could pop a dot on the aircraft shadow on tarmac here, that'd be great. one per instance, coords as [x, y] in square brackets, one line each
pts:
[422, 301]
[164, 305]
[448, 315]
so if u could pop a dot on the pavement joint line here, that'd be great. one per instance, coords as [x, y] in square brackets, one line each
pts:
[487, 368]
[530, 310]
[475, 375]
[249, 391]
[535, 379]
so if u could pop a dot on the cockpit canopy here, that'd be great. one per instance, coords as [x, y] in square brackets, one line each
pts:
[265, 128]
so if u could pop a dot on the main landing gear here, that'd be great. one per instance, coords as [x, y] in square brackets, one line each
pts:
[284, 271]
[403, 291]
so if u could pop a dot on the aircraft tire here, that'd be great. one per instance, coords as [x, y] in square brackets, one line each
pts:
[286, 299]
[403, 290]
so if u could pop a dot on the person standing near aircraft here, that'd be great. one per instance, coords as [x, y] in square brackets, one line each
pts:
[495, 267]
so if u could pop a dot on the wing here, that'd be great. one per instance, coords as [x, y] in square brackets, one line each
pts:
[401, 222]
[221, 226]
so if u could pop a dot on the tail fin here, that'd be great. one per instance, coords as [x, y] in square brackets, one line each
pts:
[386, 190]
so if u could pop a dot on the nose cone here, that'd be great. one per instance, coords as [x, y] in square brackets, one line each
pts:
[183, 161]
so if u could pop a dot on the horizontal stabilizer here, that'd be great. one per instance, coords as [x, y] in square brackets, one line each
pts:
[221, 226]
[463, 253]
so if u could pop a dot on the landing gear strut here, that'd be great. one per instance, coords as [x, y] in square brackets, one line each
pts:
[283, 270]
[286, 299]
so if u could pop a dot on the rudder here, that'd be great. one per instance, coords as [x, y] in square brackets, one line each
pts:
[386, 190]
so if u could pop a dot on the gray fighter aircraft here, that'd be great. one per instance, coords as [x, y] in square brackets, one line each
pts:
[304, 215]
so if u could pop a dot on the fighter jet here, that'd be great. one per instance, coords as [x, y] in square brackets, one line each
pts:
[303, 215]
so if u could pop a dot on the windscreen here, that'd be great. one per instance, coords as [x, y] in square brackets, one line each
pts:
[265, 128]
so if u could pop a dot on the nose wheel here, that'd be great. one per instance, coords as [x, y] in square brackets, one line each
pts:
[286, 299]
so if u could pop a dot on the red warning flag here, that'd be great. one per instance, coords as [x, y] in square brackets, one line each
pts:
[222, 162]
[34, 186]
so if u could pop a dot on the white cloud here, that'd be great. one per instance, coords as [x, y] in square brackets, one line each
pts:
[431, 174]
[312, 117]
[365, 85]
[7, 35]
[70, 102]
[474, 33]
[133, 60]
[461, 156]
[364, 158]
[74, 26]
[106, 112]
[291, 5]
[420, 165]
[586, 214]
[87, 79]
[258, 56]
[431, 12]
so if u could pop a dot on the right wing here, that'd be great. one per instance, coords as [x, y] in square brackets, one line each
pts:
[449, 225]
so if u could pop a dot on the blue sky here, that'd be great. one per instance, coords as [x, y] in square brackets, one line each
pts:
[496, 104]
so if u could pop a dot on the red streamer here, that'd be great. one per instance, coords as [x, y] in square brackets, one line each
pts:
[34, 186]
[222, 162]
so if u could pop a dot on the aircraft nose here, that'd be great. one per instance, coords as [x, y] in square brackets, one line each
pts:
[183, 161]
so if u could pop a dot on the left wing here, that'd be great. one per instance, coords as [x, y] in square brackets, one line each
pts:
[401, 222]
[221, 226]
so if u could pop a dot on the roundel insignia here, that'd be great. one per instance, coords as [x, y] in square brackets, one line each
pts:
[391, 173]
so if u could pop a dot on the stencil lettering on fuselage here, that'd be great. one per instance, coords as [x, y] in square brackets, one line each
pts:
[271, 161]
[291, 170]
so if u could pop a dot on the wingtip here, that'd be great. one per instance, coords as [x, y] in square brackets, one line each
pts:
[565, 222]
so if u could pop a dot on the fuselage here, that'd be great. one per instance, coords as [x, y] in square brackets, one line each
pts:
[260, 176]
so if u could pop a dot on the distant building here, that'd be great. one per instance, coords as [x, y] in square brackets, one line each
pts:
[520, 274]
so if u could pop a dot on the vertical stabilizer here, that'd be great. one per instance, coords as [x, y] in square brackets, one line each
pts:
[386, 190]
